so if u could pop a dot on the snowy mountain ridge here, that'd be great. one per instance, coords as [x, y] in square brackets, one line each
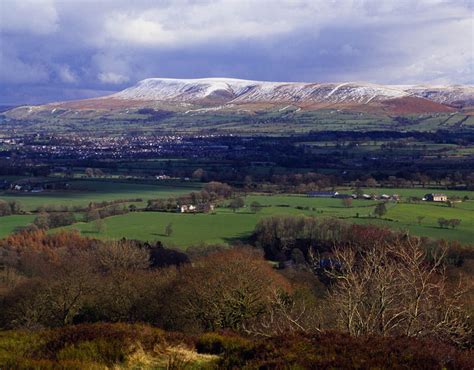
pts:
[231, 90]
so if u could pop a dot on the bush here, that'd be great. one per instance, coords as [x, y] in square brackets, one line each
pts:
[341, 351]
[234, 351]
[105, 343]
[102, 351]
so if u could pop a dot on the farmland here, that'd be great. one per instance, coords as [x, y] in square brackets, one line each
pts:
[225, 226]
[83, 192]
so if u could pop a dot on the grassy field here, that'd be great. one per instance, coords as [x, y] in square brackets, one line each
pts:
[83, 192]
[418, 192]
[404, 216]
[10, 223]
[225, 226]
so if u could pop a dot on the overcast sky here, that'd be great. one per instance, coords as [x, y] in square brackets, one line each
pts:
[52, 50]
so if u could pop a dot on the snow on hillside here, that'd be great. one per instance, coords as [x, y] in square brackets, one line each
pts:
[246, 91]
[209, 94]
[443, 94]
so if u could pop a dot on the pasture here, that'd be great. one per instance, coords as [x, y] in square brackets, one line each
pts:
[225, 226]
[8, 224]
[83, 192]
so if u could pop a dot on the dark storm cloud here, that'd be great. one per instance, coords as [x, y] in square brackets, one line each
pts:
[56, 50]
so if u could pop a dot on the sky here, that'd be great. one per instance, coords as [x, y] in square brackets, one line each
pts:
[55, 50]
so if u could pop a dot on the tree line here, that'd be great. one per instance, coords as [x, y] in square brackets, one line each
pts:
[356, 279]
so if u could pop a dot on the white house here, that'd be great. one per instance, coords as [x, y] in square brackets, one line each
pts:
[185, 208]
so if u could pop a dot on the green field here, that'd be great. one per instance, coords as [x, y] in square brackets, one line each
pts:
[225, 226]
[83, 192]
[10, 223]
[418, 192]
[269, 121]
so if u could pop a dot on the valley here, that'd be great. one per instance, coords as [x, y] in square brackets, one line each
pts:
[223, 184]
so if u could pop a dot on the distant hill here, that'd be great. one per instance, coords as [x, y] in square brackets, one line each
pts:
[222, 95]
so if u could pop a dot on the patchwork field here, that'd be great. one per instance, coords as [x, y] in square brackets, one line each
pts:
[83, 192]
[225, 226]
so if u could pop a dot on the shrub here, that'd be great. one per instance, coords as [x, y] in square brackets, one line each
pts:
[340, 351]
[107, 343]
[234, 351]
[103, 351]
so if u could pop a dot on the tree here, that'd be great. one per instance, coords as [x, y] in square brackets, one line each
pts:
[199, 174]
[347, 202]
[424, 179]
[297, 312]
[100, 226]
[255, 207]
[236, 203]
[15, 207]
[120, 256]
[371, 182]
[442, 222]
[92, 215]
[380, 209]
[420, 219]
[54, 298]
[454, 222]
[169, 229]
[42, 221]
[89, 172]
[226, 289]
[98, 172]
[5, 209]
[396, 289]
[359, 192]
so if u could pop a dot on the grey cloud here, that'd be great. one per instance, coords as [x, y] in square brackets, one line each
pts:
[88, 46]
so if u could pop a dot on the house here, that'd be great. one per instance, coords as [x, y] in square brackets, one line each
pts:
[436, 197]
[322, 194]
[187, 208]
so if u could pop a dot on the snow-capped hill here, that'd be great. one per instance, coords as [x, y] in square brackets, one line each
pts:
[234, 95]
[230, 90]
[455, 94]
[246, 91]
[168, 89]
[320, 93]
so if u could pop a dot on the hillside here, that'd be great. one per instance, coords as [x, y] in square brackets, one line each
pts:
[233, 95]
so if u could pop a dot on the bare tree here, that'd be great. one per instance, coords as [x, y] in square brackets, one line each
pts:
[121, 255]
[287, 313]
[419, 219]
[347, 202]
[395, 289]
[226, 289]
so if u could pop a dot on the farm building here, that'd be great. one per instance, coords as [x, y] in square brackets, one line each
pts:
[186, 208]
[436, 197]
[200, 208]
